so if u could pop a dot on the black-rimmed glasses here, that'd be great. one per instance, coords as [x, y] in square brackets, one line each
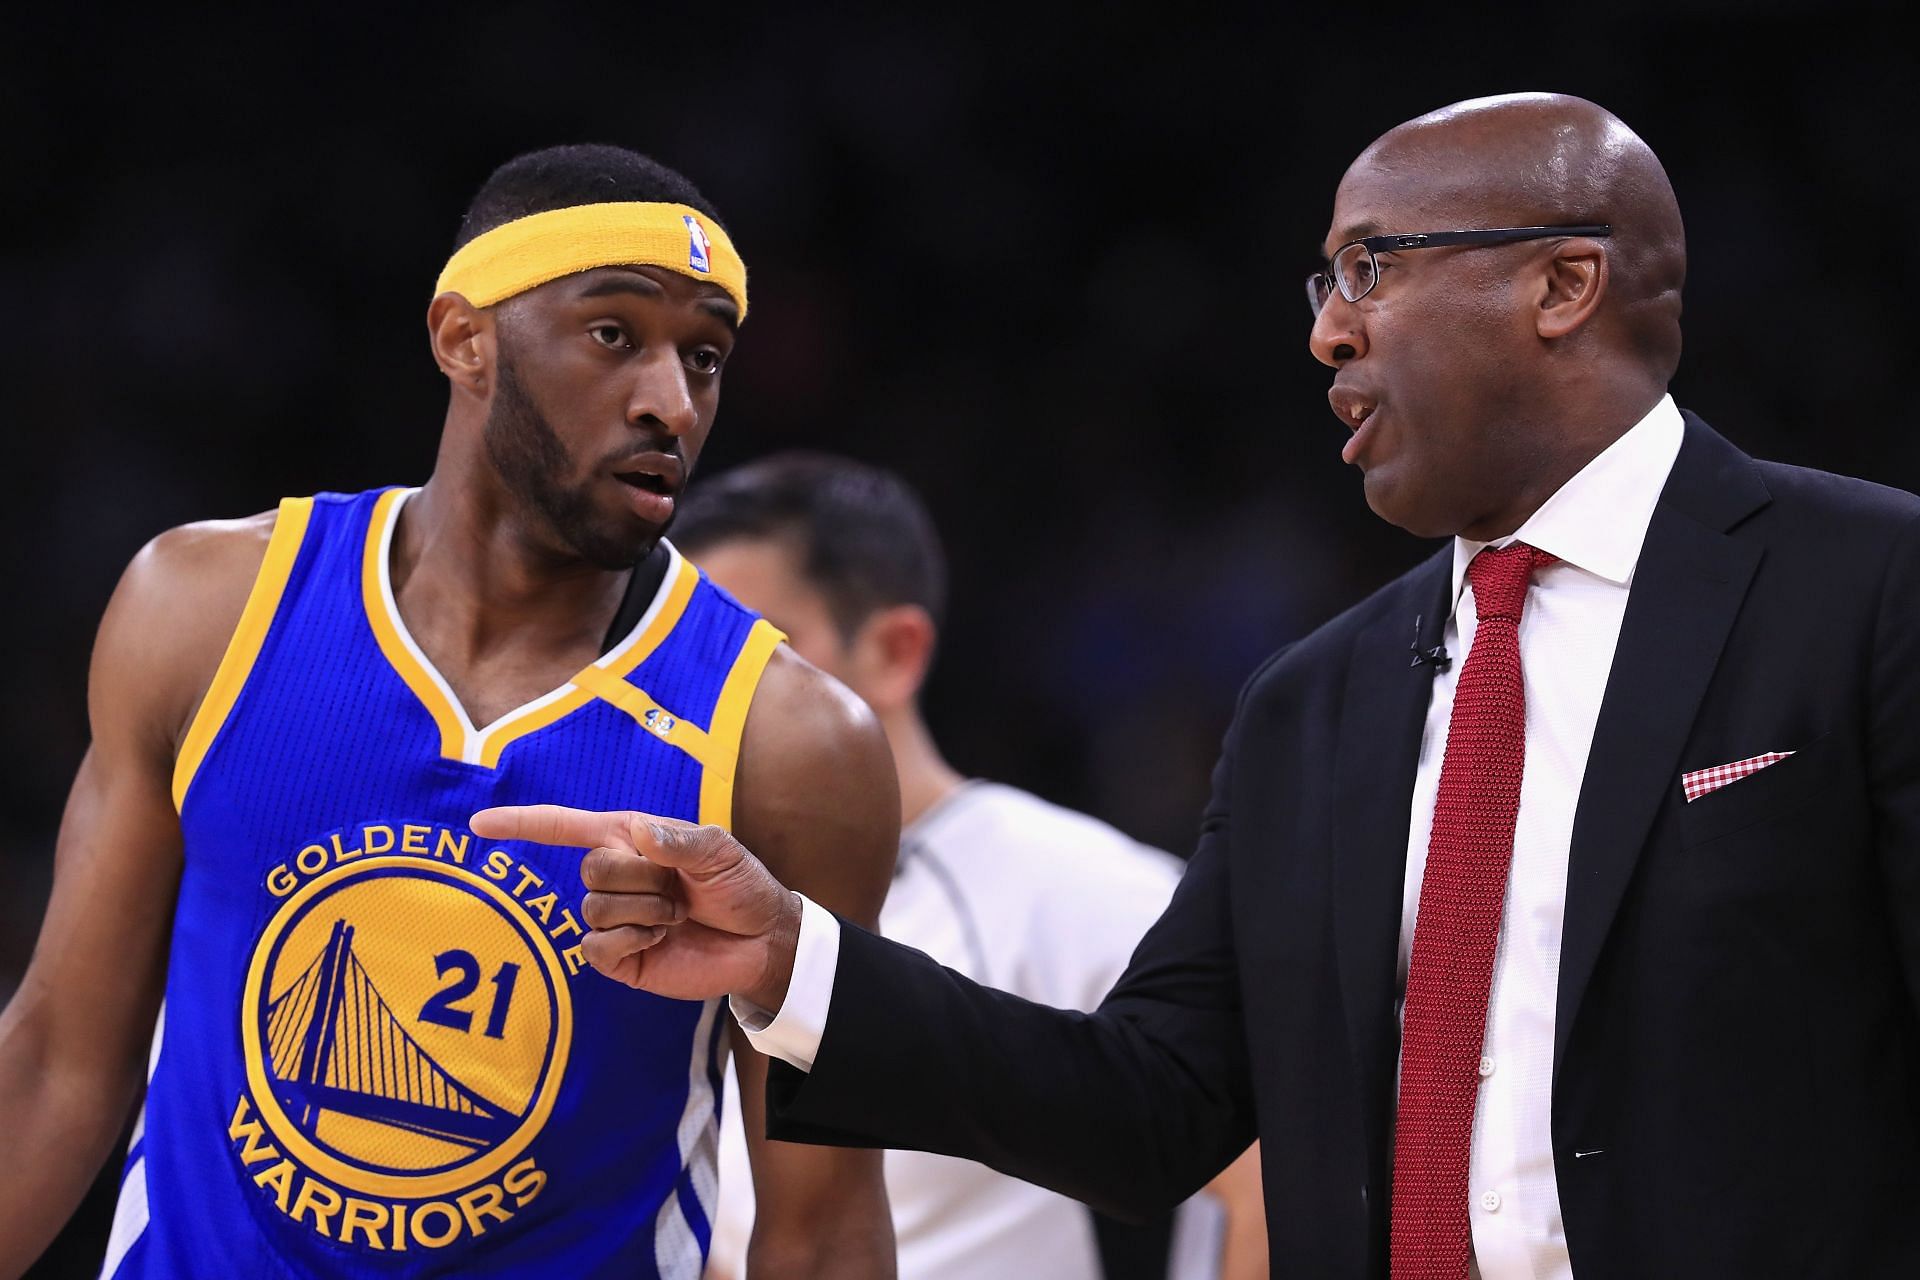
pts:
[1353, 271]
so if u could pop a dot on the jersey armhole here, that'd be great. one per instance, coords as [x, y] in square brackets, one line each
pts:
[263, 601]
[730, 722]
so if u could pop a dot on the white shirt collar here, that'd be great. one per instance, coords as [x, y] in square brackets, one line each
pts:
[1597, 521]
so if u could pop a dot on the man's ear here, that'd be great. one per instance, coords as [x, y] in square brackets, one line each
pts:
[893, 649]
[463, 342]
[1575, 281]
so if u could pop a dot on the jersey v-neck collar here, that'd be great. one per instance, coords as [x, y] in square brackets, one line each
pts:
[460, 739]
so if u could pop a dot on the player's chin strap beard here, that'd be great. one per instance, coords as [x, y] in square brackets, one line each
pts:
[528, 252]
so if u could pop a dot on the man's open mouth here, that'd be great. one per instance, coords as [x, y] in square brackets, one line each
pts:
[645, 480]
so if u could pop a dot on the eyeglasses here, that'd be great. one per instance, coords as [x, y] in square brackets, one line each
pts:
[1352, 269]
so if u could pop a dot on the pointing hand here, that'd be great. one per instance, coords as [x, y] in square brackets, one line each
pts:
[675, 909]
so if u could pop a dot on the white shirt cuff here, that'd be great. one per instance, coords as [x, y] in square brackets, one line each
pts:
[793, 1034]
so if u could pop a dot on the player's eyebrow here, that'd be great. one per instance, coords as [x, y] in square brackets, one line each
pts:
[619, 281]
[622, 282]
[723, 310]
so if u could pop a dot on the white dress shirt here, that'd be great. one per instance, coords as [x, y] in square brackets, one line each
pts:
[1595, 524]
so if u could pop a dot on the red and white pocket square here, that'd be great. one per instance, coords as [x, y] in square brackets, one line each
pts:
[1706, 781]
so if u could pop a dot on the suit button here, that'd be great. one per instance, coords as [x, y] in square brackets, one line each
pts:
[1490, 1201]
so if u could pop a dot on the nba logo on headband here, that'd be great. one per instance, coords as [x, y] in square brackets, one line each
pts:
[697, 259]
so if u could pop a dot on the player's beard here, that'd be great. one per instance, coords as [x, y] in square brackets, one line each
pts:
[528, 454]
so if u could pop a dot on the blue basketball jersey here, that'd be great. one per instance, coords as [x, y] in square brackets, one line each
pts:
[381, 1052]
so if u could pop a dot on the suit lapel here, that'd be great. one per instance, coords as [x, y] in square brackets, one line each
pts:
[1687, 590]
[1377, 750]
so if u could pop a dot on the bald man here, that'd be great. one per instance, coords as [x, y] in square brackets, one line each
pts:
[1557, 912]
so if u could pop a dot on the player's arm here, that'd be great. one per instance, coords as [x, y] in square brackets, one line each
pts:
[74, 1038]
[1238, 1189]
[817, 799]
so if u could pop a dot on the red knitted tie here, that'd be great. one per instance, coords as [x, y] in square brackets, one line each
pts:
[1461, 898]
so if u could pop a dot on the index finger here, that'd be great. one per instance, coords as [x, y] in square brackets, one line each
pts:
[557, 824]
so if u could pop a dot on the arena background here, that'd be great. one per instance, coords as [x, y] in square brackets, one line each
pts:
[1047, 267]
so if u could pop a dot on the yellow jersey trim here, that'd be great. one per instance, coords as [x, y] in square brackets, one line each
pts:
[653, 717]
[375, 593]
[459, 739]
[730, 722]
[615, 665]
[243, 647]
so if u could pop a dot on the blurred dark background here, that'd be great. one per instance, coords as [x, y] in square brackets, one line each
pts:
[1048, 266]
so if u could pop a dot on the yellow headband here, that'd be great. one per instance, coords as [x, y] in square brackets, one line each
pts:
[519, 255]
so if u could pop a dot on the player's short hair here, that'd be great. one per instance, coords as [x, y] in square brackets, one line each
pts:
[864, 538]
[577, 174]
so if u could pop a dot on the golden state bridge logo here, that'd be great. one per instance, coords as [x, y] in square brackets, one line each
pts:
[406, 1024]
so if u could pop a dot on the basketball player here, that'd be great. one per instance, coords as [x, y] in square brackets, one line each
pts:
[383, 1050]
[992, 881]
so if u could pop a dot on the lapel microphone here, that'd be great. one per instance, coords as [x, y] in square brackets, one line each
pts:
[1436, 657]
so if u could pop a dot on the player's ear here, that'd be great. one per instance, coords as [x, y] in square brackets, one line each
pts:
[462, 338]
[894, 649]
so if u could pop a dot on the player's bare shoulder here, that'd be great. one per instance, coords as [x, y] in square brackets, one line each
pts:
[797, 699]
[170, 618]
[815, 790]
[807, 737]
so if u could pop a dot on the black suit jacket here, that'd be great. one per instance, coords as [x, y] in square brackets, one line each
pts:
[1737, 1056]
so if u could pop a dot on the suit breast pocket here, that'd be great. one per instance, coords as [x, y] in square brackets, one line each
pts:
[1767, 795]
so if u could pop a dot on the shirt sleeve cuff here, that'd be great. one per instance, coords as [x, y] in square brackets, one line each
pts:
[793, 1034]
